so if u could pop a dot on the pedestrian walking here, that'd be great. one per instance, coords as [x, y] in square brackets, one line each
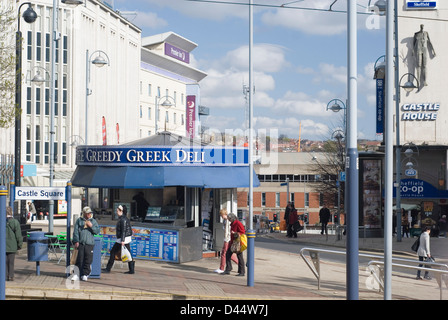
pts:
[83, 238]
[14, 241]
[324, 215]
[405, 224]
[293, 221]
[286, 217]
[124, 237]
[442, 226]
[225, 247]
[236, 229]
[424, 252]
[32, 211]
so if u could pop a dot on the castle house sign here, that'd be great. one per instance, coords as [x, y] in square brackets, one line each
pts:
[420, 111]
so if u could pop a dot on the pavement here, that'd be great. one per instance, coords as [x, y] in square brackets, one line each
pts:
[278, 275]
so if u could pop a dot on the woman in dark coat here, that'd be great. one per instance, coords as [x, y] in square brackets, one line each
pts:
[14, 241]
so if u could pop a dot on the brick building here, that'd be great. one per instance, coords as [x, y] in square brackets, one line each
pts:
[273, 170]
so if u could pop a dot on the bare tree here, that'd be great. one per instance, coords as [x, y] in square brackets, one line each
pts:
[8, 109]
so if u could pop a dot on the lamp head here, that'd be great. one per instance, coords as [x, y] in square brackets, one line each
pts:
[99, 61]
[73, 2]
[29, 15]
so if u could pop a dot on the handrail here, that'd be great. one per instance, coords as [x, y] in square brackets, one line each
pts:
[314, 265]
[439, 272]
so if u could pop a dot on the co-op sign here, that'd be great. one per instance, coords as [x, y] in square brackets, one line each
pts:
[40, 193]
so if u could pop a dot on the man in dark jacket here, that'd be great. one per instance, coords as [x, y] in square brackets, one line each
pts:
[83, 238]
[14, 241]
[124, 237]
[324, 215]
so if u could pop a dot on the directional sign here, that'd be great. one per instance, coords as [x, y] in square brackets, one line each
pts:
[421, 5]
[40, 193]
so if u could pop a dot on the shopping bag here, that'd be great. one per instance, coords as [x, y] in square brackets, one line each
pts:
[74, 256]
[243, 240]
[125, 254]
[236, 245]
[416, 245]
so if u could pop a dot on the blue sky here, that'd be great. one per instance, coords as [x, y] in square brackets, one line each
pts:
[300, 59]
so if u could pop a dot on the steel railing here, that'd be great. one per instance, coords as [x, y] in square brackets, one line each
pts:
[440, 269]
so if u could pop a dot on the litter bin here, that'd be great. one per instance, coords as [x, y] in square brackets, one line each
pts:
[37, 248]
[96, 262]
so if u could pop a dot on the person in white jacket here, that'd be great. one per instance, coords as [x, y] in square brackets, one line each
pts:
[424, 251]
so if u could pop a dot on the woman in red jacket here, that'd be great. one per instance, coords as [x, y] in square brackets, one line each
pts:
[236, 228]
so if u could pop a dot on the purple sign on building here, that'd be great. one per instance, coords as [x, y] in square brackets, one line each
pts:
[177, 53]
[190, 115]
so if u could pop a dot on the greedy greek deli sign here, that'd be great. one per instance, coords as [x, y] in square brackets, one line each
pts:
[420, 111]
[161, 156]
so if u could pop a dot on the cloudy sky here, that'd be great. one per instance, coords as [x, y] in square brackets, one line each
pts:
[300, 59]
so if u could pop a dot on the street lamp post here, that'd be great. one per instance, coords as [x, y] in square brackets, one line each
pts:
[29, 16]
[251, 232]
[56, 37]
[388, 194]
[352, 157]
[166, 104]
[99, 61]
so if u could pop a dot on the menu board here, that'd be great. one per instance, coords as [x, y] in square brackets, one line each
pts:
[371, 193]
[147, 243]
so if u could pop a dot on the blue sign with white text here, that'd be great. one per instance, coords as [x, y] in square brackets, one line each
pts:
[161, 156]
[421, 5]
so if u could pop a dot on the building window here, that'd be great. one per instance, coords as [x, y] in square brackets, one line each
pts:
[292, 197]
[307, 199]
[141, 112]
[149, 114]
[263, 199]
[277, 199]
[38, 46]
[149, 90]
[37, 150]
[29, 47]
[47, 102]
[64, 50]
[47, 47]
[28, 100]
[37, 101]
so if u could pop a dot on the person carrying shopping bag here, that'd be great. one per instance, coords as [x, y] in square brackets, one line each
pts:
[124, 238]
[225, 247]
[236, 229]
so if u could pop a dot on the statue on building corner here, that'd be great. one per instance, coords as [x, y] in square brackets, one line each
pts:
[422, 45]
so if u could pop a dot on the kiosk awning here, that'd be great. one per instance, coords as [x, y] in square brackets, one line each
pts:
[134, 177]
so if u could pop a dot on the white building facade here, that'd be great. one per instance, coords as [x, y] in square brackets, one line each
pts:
[112, 104]
[167, 81]
[423, 112]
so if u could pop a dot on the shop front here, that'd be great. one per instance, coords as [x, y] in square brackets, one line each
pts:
[173, 189]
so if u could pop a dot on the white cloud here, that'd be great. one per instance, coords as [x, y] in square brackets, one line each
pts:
[308, 21]
[148, 20]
